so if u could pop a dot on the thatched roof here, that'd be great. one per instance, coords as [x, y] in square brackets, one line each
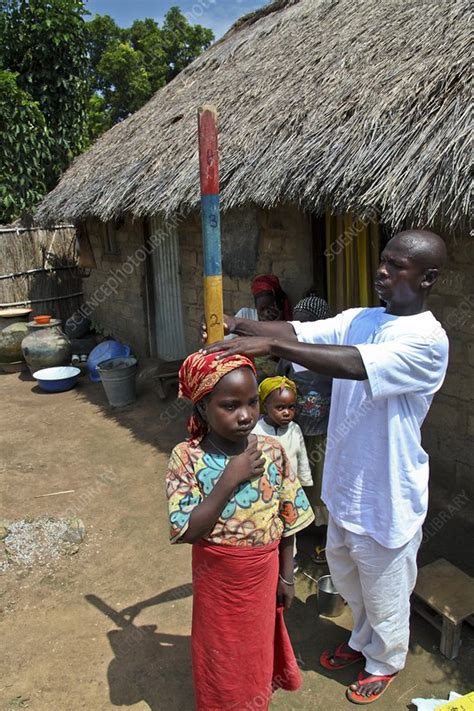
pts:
[351, 103]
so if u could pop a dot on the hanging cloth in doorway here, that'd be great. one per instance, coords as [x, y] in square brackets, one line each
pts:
[352, 256]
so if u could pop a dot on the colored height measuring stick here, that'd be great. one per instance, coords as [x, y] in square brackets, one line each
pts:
[211, 226]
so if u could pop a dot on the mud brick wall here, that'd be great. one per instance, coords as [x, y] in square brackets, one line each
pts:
[115, 290]
[284, 248]
[448, 433]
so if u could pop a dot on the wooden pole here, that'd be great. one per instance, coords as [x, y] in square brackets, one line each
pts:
[211, 227]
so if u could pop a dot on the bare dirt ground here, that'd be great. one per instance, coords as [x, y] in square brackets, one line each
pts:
[66, 643]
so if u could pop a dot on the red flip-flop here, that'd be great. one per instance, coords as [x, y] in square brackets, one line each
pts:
[357, 698]
[346, 658]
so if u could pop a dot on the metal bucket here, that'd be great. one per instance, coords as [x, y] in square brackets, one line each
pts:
[118, 377]
[330, 603]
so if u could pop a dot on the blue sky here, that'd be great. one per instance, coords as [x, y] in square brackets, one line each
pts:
[216, 14]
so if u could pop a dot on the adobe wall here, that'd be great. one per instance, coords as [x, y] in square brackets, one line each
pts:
[448, 433]
[114, 292]
[283, 243]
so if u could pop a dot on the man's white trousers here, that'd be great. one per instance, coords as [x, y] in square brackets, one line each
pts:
[376, 582]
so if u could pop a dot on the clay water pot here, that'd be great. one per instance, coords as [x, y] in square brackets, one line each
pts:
[46, 346]
[11, 338]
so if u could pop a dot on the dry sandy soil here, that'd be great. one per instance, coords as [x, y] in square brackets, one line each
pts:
[67, 645]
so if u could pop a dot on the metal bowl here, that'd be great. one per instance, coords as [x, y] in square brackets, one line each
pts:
[58, 379]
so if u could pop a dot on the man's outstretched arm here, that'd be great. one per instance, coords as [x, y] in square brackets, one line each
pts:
[270, 329]
[335, 361]
[247, 327]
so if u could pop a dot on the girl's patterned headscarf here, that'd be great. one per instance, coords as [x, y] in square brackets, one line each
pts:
[269, 385]
[198, 377]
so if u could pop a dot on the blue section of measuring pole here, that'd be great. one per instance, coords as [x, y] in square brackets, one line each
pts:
[211, 234]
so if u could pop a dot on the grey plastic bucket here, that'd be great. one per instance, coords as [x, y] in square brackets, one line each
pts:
[330, 603]
[118, 378]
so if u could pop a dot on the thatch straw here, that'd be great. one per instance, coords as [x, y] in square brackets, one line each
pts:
[344, 103]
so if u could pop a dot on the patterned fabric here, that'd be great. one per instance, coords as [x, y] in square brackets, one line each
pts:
[314, 305]
[271, 283]
[269, 385]
[199, 375]
[260, 511]
[314, 398]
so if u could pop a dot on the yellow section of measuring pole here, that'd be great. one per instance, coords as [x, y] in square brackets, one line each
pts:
[213, 308]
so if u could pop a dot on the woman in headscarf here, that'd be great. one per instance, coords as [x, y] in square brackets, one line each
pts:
[234, 496]
[312, 415]
[271, 304]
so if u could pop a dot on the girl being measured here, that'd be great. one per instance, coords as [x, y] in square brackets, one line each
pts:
[234, 496]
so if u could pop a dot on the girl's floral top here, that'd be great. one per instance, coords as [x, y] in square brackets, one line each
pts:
[260, 511]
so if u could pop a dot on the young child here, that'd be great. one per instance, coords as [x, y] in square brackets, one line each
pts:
[278, 404]
[312, 415]
[235, 497]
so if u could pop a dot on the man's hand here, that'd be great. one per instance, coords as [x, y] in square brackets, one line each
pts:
[229, 325]
[242, 345]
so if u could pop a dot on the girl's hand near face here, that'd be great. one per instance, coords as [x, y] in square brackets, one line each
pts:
[240, 468]
[247, 465]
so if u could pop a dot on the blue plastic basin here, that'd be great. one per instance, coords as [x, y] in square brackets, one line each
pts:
[58, 379]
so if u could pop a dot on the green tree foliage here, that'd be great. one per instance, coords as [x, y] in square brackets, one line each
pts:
[182, 42]
[128, 81]
[129, 65]
[98, 118]
[101, 32]
[64, 81]
[25, 149]
[146, 38]
[44, 43]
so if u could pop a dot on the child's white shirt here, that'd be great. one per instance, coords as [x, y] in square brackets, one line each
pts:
[291, 438]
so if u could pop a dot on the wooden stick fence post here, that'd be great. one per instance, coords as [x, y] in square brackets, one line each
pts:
[211, 228]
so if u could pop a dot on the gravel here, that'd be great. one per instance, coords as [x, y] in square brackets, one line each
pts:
[39, 541]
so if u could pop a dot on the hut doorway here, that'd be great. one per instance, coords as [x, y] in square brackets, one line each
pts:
[346, 254]
[168, 309]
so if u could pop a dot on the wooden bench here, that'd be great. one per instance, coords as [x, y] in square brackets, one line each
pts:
[166, 373]
[444, 596]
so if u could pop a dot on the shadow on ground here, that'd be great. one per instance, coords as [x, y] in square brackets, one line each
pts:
[160, 423]
[146, 662]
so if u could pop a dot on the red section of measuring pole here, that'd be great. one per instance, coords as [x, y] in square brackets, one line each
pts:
[208, 155]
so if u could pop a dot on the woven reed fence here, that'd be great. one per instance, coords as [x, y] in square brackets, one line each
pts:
[39, 268]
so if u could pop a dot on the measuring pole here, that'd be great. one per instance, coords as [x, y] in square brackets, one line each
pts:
[211, 226]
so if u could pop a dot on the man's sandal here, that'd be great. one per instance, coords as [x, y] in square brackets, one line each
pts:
[357, 698]
[342, 659]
